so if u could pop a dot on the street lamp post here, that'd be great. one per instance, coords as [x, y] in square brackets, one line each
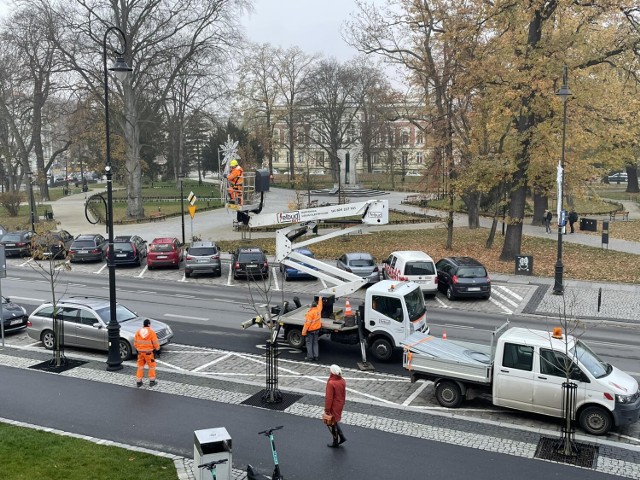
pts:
[180, 177]
[564, 92]
[114, 362]
[32, 205]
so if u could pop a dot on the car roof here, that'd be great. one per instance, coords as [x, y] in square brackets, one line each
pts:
[203, 243]
[123, 238]
[91, 302]
[249, 249]
[464, 261]
[358, 255]
[164, 240]
[87, 236]
[412, 255]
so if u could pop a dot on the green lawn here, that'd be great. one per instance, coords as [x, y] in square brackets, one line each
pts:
[30, 454]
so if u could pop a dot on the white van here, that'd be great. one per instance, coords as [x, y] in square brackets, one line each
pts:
[412, 266]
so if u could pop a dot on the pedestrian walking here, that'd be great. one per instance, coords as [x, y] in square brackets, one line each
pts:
[336, 394]
[146, 342]
[311, 329]
[547, 220]
[235, 178]
[573, 218]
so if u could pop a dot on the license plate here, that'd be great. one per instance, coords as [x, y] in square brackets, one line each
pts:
[161, 256]
[473, 289]
[11, 244]
[83, 251]
[203, 261]
[120, 255]
[16, 321]
[253, 265]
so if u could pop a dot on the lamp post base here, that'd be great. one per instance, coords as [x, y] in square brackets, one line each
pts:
[558, 287]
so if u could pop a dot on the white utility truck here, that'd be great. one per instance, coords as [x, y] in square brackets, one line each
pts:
[524, 369]
[392, 310]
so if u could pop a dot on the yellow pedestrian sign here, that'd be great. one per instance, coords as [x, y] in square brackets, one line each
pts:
[192, 210]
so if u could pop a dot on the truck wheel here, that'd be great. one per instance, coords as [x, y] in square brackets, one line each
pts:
[294, 337]
[448, 394]
[595, 420]
[450, 295]
[381, 349]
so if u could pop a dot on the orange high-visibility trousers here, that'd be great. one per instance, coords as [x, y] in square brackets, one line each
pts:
[146, 359]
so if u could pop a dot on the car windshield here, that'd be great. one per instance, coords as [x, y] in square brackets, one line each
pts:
[162, 247]
[11, 237]
[203, 251]
[362, 262]
[83, 244]
[122, 246]
[415, 304]
[587, 357]
[472, 272]
[251, 257]
[122, 314]
[420, 268]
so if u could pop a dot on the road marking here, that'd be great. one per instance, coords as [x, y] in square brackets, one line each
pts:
[505, 298]
[184, 278]
[28, 299]
[142, 272]
[185, 317]
[101, 269]
[442, 304]
[144, 291]
[491, 299]
[213, 362]
[26, 263]
[183, 296]
[510, 292]
[230, 276]
[415, 394]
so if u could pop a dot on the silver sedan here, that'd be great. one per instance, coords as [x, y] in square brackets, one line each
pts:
[361, 264]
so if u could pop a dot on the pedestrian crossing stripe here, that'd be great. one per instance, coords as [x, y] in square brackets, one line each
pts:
[192, 198]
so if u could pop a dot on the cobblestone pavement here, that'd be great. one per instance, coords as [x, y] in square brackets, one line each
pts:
[378, 401]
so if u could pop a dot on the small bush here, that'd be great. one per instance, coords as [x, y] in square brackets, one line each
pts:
[11, 202]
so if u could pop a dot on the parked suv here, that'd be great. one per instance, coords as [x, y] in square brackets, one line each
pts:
[202, 257]
[164, 252]
[17, 243]
[85, 325]
[249, 262]
[88, 248]
[128, 250]
[463, 277]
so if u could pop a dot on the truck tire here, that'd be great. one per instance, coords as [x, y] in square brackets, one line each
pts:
[595, 420]
[381, 349]
[294, 338]
[448, 394]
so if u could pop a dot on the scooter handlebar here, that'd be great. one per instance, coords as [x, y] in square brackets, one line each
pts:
[268, 432]
[211, 465]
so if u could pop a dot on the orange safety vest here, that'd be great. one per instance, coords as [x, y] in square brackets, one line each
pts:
[235, 176]
[146, 340]
[313, 319]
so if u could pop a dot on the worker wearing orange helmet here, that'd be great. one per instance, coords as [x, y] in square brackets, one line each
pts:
[235, 182]
[146, 342]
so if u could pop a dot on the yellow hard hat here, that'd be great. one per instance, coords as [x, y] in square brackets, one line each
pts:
[234, 163]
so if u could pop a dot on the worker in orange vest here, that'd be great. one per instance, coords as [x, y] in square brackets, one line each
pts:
[146, 342]
[311, 329]
[235, 182]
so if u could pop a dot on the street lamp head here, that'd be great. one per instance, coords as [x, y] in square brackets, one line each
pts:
[120, 68]
[107, 168]
[564, 92]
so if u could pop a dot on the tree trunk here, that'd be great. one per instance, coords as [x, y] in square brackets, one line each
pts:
[540, 204]
[449, 245]
[632, 179]
[472, 202]
[135, 207]
[492, 231]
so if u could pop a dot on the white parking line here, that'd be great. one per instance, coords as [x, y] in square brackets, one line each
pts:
[230, 276]
[500, 305]
[101, 269]
[415, 394]
[213, 362]
[26, 263]
[509, 291]
[142, 272]
[183, 296]
[505, 298]
[183, 279]
[185, 317]
[442, 304]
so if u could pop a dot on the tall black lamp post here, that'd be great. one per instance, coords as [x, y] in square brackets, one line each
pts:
[120, 67]
[564, 92]
[32, 204]
[180, 177]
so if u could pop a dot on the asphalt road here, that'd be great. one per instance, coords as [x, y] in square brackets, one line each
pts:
[166, 422]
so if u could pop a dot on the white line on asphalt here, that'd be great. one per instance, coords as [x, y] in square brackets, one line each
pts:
[171, 365]
[510, 292]
[505, 298]
[183, 296]
[415, 394]
[76, 285]
[609, 344]
[26, 263]
[442, 304]
[275, 278]
[500, 305]
[145, 291]
[185, 317]
[461, 327]
[28, 299]
[183, 279]
[217, 360]
[230, 276]
[142, 272]
[101, 269]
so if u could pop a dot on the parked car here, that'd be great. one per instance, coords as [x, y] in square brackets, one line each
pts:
[414, 266]
[164, 252]
[128, 250]
[618, 177]
[46, 244]
[2, 230]
[360, 263]
[14, 316]
[17, 243]
[88, 248]
[249, 262]
[290, 272]
[463, 277]
[85, 325]
[202, 257]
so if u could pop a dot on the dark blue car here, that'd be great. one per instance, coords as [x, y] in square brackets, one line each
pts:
[291, 273]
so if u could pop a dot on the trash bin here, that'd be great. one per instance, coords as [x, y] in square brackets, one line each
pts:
[85, 187]
[209, 445]
[589, 224]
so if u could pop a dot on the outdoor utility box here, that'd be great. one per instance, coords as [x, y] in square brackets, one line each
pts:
[262, 180]
[210, 445]
[588, 224]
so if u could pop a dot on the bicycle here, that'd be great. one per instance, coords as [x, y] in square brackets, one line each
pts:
[276, 475]
[211, 466]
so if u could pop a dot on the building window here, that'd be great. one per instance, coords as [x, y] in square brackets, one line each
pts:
[420, 138]
[405, 158]
[301, 157]
[276, 135]
[390, 140]
[419, 157]
[405, 137]
[300, 137]
[319, 158]
[375, 158]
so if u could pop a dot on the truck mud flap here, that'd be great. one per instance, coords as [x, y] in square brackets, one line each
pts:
[347, 339]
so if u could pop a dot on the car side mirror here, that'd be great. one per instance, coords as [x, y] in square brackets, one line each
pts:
[97, 325]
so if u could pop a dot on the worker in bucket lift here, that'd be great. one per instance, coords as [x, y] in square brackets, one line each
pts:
[235, 182]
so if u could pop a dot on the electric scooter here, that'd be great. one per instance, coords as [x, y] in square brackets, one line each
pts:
[211, 466]
[251, 472]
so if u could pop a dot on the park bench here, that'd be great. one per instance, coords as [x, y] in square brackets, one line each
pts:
[157, 216]
[614, 215]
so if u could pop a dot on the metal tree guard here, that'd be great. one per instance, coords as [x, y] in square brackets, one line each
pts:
[567, 444]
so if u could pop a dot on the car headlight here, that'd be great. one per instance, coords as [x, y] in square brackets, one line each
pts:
[625, 398]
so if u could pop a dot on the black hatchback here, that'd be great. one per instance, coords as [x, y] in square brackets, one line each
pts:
[249, 262]
[17, 243]
[129, 250]
[463, 277]
[88, 248]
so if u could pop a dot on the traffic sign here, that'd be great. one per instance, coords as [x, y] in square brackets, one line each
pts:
[192, 198]
[192, 210]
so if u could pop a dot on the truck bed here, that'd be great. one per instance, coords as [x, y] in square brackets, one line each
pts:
[433, 357]
[296, 317]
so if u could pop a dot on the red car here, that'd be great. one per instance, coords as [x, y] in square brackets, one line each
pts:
[164, 252]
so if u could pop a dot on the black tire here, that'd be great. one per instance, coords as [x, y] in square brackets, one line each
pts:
[149, 267]
[381, 349]
[486, 297]
[450, 295]
[125, 349]
[595, 420]
[294, 337]
[218, 273]
[48, 340]
[448, 394]
[138, 262]
[187, 273]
